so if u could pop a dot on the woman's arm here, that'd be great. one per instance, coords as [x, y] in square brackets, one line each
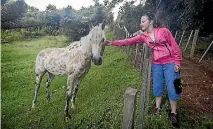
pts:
[175, 47]
[130, 41]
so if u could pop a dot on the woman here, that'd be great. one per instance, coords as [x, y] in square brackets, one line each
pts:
[166, 60]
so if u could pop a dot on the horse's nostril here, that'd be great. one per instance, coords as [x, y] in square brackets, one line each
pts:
[100, 61]
[97, 61]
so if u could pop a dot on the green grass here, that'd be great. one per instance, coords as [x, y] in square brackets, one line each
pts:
[99, 102]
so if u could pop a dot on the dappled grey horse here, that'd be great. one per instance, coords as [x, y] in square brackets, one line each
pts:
[73, 61]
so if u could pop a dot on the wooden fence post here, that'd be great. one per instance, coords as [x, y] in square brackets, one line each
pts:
[206, 51]
[194, 43]
[148, 83]
[188, 39]
[141, 63]
[136, 53]
[143, 55]
[181, 37]
[143, 94]
[131, 51]
[145, 86]
[129, 108]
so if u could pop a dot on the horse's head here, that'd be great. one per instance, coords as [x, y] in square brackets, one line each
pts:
[97, 41]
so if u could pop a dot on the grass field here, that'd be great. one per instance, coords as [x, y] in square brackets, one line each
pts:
[99, 101]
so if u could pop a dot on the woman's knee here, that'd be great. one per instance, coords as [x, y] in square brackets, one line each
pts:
[172, 94]
[158, 90]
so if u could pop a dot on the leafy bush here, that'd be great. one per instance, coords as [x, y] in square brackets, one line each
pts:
[11, 35]
[15, 35]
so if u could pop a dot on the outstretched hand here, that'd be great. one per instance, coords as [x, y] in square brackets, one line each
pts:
[107, 43]
[177, 68]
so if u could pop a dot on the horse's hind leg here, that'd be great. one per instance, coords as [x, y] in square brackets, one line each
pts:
[38, 81]
[49, 80]
[75, 94]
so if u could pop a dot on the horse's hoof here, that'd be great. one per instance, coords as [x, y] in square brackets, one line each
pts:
[48, 99]
[33, 106]
[67, 118]
[73, 106]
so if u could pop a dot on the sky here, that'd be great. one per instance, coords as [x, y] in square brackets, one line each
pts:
[76, 4]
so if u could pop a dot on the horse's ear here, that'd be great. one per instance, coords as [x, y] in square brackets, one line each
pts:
[103, 25]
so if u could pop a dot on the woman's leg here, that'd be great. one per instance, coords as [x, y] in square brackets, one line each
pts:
[173, 106]
[158, 82]
[170, 75]
[158, 101]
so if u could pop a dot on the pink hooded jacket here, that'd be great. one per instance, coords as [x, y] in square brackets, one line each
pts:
[165, 48]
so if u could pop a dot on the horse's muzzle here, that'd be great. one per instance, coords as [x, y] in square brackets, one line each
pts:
[97, 61]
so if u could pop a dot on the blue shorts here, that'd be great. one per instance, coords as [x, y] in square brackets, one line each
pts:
[167, 72]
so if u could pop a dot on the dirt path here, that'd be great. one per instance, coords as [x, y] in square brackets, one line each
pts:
[197, 88]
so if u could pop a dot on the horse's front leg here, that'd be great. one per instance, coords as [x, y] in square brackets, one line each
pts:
[70, 83]
[77, 85]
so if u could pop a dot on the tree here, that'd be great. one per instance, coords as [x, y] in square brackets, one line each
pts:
[68, 11]
[106, 2]
[129, 16]
[96, 2]
[50, 8]
[12, 11]
[11, 14]
[98, 16]
[3, 2]
[181, 14]
[75, 28]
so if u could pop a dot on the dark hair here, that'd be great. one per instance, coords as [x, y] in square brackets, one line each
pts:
[156, 21]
